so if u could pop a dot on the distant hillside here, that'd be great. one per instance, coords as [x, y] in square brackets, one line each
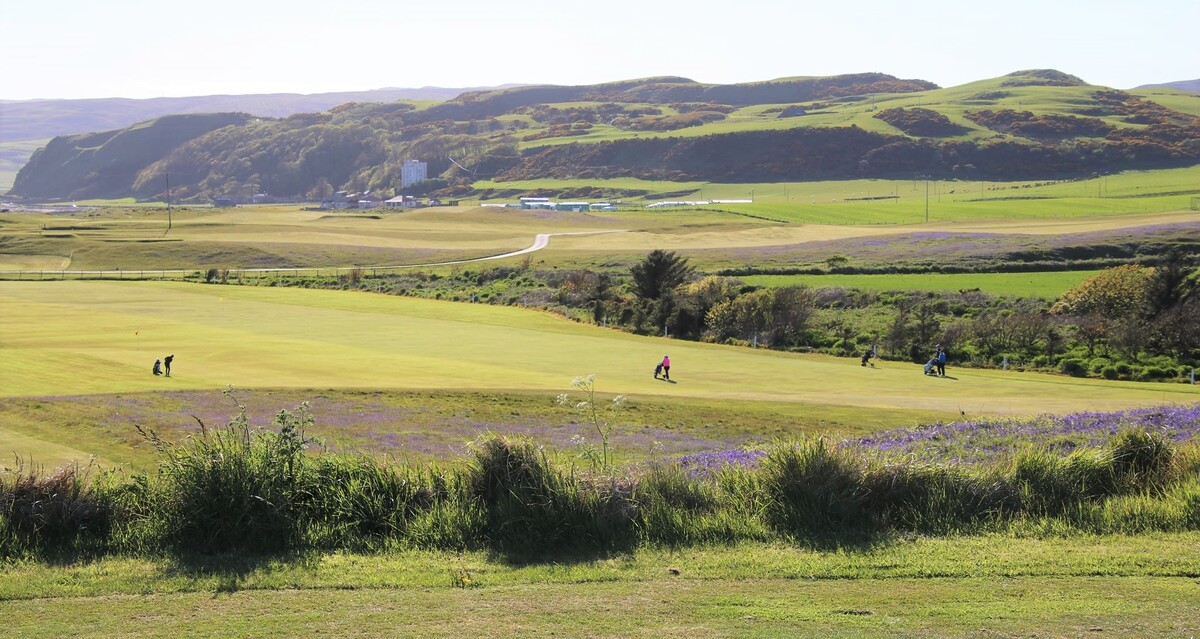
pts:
[1027, 125]
[1182, 85]
[105, 165]
[42, 119]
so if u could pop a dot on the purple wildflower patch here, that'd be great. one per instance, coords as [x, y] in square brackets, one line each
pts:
[707, 464]
[979, 440]
[983, 440]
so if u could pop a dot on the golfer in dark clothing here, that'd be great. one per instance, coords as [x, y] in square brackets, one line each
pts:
[941, 362]
[167, 364]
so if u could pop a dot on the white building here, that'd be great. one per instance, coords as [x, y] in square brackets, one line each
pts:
[402, 202]
[413, 171]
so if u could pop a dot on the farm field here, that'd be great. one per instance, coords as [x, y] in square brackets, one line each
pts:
[1110, 585]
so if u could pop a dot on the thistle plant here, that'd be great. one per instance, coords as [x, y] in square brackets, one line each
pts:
[599, 418]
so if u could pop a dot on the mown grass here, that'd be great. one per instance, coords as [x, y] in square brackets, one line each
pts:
[1044, 285]
[1111, 585]
[96, 337]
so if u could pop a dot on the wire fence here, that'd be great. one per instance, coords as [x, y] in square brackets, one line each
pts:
[200, 274]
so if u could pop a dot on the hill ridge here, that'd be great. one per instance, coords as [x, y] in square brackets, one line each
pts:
[1031, 124]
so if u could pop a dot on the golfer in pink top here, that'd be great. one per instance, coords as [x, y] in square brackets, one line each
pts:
[666, 364]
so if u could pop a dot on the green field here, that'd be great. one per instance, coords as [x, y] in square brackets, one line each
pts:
[1044, 285]
[81, 337]
[875, 202]
[69, 338]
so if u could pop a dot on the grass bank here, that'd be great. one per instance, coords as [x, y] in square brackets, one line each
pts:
[241, 489]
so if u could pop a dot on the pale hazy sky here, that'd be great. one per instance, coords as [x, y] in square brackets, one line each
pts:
[143, 48]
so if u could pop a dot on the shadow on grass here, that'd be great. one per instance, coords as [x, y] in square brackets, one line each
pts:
[856, 543]
[230, 570]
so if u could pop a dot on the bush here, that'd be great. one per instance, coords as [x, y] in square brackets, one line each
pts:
[1073, 367]
[238, 489]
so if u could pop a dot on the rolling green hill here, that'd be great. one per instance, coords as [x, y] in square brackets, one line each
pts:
[1029, 125]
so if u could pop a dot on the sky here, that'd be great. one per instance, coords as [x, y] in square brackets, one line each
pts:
[144, 48]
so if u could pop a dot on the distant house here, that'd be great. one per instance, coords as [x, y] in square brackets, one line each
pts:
[575, 207]
[402, 202]
[223, 201]
[341, 200]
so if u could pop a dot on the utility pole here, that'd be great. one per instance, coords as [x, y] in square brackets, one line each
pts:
[168, 202]
[926, 198]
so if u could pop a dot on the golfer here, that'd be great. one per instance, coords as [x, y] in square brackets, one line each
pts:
[666, 365]
[167, 364]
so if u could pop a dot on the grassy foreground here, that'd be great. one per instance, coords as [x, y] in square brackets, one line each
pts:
[1112, 586]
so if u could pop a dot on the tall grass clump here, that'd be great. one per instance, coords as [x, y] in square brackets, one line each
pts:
[1132, 462]
[935, 499]
[676, 509]
[45, 512]
[234, 488]
[529, 504]
[814, 488]
[360, 504]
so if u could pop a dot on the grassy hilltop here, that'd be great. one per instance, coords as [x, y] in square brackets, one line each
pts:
[1028, 125]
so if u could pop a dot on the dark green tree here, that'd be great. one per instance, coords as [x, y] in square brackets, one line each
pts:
[1171, 283]
[658, 273]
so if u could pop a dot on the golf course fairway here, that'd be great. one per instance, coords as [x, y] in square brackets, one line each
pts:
[66, 338]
